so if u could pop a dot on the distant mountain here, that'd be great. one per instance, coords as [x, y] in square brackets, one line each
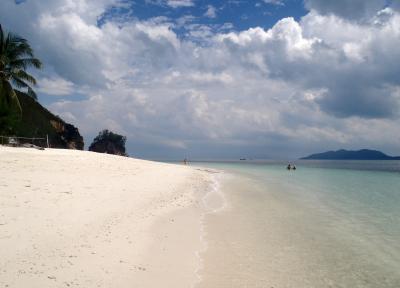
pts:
[342, 154]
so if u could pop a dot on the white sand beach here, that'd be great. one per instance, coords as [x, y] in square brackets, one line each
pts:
[82, 219]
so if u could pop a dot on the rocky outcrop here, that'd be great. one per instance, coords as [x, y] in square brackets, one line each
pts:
[68, 136]
[106, 147]
[39, 122]
[110, 143]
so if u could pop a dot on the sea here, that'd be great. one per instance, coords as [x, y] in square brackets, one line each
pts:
[326, 224]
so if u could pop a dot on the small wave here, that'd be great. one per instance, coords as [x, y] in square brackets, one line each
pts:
[213, 201]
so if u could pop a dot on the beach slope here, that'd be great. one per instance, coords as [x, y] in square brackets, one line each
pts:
[82, 219]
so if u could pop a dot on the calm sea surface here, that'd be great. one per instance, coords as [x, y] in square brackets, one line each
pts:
[327, 224]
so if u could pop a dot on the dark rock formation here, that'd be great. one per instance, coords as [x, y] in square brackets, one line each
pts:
[109, 142]
[39, 122]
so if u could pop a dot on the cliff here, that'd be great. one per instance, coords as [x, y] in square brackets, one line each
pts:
[38, 122]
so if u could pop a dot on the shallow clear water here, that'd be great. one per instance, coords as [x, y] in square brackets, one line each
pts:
[327, 224]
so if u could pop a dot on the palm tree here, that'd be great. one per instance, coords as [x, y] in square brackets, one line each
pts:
[16, 55]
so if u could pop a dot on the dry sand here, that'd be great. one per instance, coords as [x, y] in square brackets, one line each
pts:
[82, 219]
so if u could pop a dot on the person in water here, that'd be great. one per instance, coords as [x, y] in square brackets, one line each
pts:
[294, 167]
[288, 167]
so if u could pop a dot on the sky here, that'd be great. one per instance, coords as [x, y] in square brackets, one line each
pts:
[202, 79]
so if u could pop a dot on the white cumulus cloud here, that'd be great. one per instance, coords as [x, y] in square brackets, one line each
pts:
[180, 3]
[211, 12]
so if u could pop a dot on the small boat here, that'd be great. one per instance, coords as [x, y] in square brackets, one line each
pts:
[242, 159]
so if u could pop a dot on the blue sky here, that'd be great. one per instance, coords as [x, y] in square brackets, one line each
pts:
[219, 79]
[241, 14]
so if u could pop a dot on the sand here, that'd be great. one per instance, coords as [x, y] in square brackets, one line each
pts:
[82, 219]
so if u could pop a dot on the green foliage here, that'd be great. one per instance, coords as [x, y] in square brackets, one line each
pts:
[16, 56]
[10, 109]
[37, 122]
[108, 142]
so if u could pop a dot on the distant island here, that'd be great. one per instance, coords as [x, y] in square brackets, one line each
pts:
[342, 154]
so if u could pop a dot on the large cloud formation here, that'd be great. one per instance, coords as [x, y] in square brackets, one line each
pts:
[330, 80]
[350, 9]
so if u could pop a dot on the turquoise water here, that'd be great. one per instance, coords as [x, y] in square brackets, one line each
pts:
[327, 224]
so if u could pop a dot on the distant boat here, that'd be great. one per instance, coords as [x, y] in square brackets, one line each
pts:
[242, 159]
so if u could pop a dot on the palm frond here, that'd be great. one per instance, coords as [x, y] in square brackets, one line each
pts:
[17, 51]
[1, 39]
[32, 93]
[19, 83]
[21, 74]
[8, 97]
[16, 56]
[26, 63]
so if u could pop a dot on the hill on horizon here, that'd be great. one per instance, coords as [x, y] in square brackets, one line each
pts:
[364, 154]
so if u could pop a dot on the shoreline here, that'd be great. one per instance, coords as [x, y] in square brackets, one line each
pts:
[213, 201]
[177, 264]
[77, 218]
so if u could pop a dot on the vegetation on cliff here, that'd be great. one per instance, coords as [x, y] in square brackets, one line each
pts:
[37, 121]
[20, 114]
